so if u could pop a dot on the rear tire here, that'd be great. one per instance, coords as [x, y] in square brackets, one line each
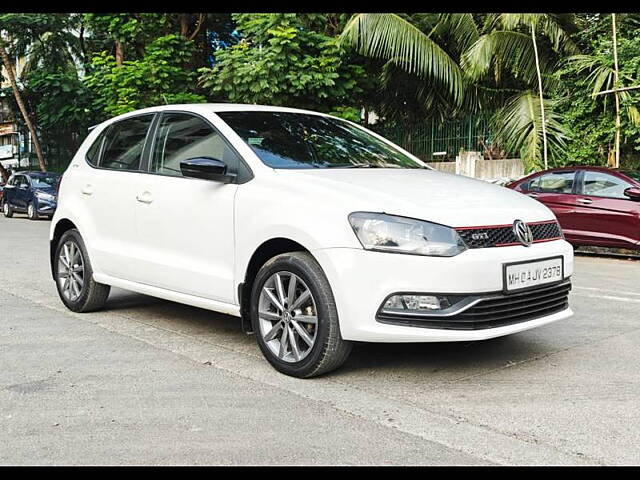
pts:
[7, 210]
[312, 342]
[74, 275]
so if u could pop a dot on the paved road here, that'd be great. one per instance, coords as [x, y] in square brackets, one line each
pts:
[152, 382]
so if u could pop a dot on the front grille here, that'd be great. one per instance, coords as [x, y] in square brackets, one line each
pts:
[502, 235]
[494, 310]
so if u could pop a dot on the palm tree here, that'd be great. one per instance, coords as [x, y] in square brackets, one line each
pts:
[506, 46]
[389, 37]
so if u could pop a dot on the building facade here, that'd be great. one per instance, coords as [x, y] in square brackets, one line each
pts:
[14, 143]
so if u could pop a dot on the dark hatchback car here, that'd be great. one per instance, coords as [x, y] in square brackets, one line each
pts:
[33, 193]
[595, 205]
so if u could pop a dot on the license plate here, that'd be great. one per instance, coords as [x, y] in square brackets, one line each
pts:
[524, 275]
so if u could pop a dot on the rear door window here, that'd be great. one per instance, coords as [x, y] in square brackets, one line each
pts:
[124, 143]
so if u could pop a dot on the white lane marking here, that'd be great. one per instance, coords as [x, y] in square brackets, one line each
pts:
[605, 290]
[609, 297]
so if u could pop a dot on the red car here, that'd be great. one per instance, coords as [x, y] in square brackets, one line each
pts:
[594, 205]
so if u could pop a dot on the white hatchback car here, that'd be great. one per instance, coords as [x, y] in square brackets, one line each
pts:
[314, 230]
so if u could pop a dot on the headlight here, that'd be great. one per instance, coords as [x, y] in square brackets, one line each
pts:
[389, 233]
[45, 196]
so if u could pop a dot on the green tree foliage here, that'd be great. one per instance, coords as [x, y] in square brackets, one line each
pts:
[284, 60]
[159, 77]
[589, 118]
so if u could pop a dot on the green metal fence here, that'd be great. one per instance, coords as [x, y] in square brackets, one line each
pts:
[437, 140]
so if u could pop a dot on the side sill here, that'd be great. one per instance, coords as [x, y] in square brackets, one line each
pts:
[201, 302]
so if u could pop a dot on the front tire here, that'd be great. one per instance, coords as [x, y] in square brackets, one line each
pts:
[74, 275]
[32, 212]
[6, 209]
[294, 317]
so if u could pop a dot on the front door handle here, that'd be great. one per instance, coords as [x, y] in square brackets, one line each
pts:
[87, 190]
[144, 197]
[534, 195]
[585, 201]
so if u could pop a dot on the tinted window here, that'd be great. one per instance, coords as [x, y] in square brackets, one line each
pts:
[124, 143]
[604, 185]
[299, 140]
[181, 136]
[94, 151]
[553, 182]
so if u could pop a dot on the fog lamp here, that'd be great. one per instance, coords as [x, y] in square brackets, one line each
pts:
[416, 302]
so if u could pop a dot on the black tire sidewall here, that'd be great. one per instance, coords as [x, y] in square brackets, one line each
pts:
[9, 211]
[77, 304]
[297, 266]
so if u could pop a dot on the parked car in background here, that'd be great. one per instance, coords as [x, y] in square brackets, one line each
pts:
[1, 192]
[313, 230]
[33, 193]
[595, 205]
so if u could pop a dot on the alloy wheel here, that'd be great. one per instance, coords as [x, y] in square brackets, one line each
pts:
[288, 317]
[71, 271]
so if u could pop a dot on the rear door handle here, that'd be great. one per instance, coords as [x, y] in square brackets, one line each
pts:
[144, 197]
[585, 201]
[87, 190]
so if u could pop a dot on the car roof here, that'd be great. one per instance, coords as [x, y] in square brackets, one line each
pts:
[212, 107]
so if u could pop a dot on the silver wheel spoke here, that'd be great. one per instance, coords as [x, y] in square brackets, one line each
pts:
[292, 290]
[271, 316]
[280, 289]
[273, 298]
[304, 296]
[303, 333]
[273, 332]
[306, 319]
[283, 343]
[294, 344]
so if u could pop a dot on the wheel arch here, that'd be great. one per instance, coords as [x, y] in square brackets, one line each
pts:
[63, 225]
[268, 249]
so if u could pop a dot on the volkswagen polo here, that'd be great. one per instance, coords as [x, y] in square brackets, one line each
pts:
[314, 231]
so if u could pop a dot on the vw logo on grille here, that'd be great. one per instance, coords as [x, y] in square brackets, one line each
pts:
[523, 233]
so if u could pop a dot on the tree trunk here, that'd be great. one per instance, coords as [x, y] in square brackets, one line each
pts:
[184, 24]
[14, 86]
[119, 53]
[615, 86]
[544, 122]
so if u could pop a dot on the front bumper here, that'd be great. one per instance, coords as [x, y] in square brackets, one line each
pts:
[46, 207]
[362, 279]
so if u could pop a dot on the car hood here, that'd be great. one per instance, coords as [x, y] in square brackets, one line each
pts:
[48, 190]
[439, 197]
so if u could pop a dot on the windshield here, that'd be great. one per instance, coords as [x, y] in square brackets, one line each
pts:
[299, 140]
[43, 181]
[635, 174]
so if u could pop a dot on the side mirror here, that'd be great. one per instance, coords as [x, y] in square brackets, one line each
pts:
[207, 168]
[633, 193]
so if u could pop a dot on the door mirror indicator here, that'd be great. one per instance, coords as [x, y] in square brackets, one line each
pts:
[206, 168]
[633, 193]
